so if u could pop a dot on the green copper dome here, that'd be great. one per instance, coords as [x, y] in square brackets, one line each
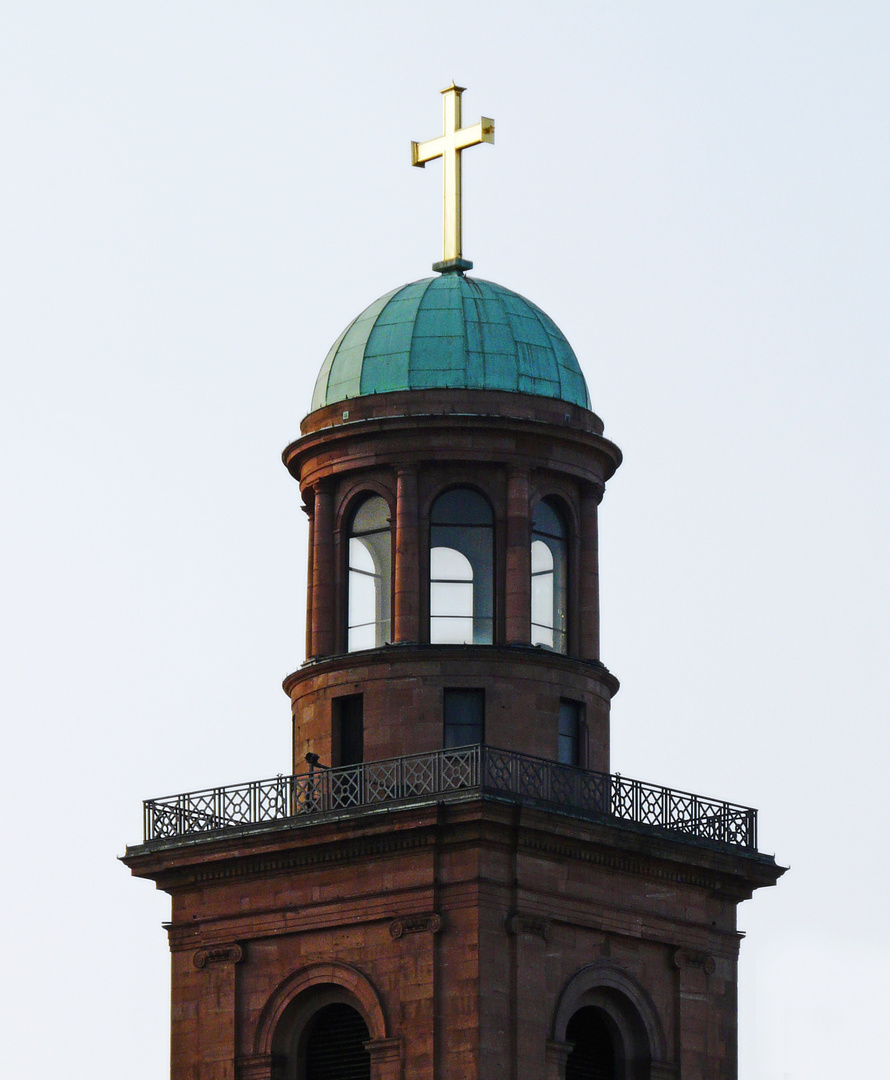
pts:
[451, 332]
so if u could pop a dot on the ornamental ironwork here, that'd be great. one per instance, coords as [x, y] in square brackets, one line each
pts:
[446, 774]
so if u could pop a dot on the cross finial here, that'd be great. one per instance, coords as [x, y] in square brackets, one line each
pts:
[449, 147]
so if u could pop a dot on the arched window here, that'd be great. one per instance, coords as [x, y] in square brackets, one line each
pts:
[461, 569]
[369, 586]
[334, 1046]
[549, 578]
[593, 1056]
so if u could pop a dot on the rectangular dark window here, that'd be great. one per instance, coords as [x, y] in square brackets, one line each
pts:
[349, 734]
[571, 715]
[464, 717]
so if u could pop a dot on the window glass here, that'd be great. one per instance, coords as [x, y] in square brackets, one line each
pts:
[549, 559]
[569, 749]
[464, 718]
[461, 569]
[369, 585]
[349, 718]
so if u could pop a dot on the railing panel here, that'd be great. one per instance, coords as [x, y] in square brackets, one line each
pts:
[466, 768]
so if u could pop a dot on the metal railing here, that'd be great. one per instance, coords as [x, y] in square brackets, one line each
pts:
[467, 769]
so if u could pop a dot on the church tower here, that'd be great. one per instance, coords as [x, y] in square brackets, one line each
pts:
[450, 884]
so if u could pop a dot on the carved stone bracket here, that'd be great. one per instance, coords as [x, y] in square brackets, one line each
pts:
[415, 924]
[218, 954]
[690, 958]
[520, 923]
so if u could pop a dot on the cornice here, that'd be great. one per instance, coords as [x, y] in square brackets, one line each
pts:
[481, 820]
[328, 440]
[389, 655]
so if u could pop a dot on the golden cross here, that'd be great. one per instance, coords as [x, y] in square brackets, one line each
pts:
[449, 147]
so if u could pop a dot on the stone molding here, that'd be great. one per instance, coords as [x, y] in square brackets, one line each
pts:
[386, 1058]
[345, 977]
[620, 986]
[655, 866]
[345, 851]
[412, 652]
[691, 958]
[663, 1070]
[555, 1055]
[384, 1049]
[218, 954]
[415, 924]
[259, 1067]
[520, 922]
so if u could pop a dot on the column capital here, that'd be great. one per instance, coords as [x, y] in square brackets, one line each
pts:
[386, 1058]
[556, 1055]
[259, 1067]
[663, 1070]
[384, 1049]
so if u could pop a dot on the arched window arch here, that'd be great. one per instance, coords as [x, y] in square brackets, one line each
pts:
[613, 1023]
[550, 585]
[369, 587]
[461, 569]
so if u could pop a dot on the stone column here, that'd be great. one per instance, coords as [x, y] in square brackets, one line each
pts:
[309, 511]
[406, 605]
[324, 593]
[588, 576]
[518, 599]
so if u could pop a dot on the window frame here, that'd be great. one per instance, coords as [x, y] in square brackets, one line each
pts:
[577, 723]
[382, 623]
[558, 547]
[470, 694]
[467, 539]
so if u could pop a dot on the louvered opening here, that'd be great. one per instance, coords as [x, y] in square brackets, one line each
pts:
[334, 1049]
[593, 1056]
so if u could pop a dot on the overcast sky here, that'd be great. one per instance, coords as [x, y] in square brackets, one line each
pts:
[196, 198]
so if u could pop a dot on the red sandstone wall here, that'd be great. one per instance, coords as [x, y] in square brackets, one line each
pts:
[469, 923]
[403, 700]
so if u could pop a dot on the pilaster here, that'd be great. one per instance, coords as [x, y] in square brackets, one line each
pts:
[407, 574]
[324, 600]
[588, 574]
[517, 601]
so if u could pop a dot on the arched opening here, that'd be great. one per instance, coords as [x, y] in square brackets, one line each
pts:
[461, 569]
[297, 1014]
[549, 561]
[334, 1045]
[369, 600]
[594, 1054]
[613, 1024]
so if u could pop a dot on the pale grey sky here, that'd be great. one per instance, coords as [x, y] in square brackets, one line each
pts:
[195, 198]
